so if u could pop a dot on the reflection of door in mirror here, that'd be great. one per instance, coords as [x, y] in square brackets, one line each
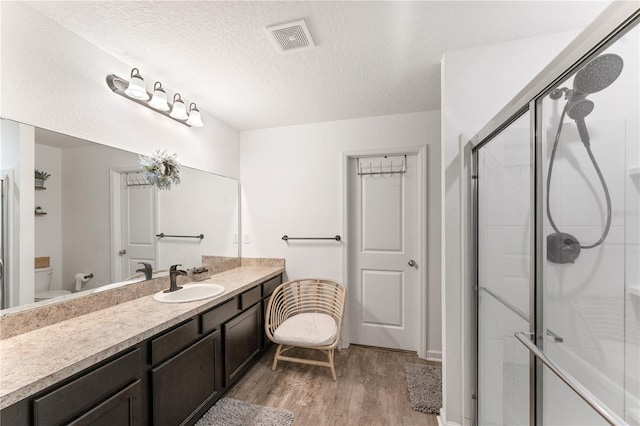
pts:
[137, 225]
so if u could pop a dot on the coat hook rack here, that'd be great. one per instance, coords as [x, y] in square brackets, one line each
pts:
[380, 169]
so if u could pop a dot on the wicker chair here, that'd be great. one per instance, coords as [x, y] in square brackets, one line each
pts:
[306, 313]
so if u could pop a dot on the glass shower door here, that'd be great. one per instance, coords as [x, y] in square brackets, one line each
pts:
[504, 168]
[591, 261]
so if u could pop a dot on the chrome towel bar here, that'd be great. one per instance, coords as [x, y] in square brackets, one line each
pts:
[287, 238]
[604, 411]
[163, 235]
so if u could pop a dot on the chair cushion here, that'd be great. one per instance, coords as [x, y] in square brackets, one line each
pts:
[308, 329]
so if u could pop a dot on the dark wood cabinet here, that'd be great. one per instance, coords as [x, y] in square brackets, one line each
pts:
[186, 383]
[242, 342]
[172, 378]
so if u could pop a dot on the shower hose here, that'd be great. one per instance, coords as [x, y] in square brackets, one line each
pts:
[602, 181]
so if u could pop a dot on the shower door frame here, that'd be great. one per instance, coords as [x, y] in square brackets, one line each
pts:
[612, 24]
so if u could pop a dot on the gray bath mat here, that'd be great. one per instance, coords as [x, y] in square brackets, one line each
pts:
[233, 412]
[425, 387]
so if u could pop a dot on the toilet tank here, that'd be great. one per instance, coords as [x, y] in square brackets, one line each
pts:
[43, 279]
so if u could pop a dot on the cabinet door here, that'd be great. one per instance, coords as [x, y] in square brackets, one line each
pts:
[242, 342]
[122, 408]
[187, 382]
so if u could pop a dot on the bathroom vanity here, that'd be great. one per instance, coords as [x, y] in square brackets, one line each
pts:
[141, 361]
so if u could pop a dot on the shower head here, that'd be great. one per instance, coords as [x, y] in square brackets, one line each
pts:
[598, 74]
[580, 109]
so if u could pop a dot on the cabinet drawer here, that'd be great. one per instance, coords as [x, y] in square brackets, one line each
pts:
[121, 409]
[174, 341]
[216, 316]
[269, 286]
[81, 394]
[250, 297]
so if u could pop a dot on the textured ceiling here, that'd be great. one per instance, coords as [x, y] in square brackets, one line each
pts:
[371, 58]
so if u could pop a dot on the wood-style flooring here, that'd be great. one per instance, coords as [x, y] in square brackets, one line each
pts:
[371, 388]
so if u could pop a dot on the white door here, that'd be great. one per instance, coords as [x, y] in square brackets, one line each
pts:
[384, 253]
[138, 227]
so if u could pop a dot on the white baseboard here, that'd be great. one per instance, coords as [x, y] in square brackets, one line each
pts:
[434, 355]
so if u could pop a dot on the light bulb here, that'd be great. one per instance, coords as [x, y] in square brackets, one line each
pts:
[195, 119]
[136, 88]
[159, 99]
[179, 112]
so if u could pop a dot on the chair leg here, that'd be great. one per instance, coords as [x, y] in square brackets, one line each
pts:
[333, 370]
[275, 358]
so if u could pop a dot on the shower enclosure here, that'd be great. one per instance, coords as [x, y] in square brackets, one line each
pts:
[555, 184]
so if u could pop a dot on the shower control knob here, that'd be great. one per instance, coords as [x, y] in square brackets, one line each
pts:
[122, 252]
[412, 263]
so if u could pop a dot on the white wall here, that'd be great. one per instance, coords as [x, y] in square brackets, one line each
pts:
[292, 184]
[53, 79]
[476, 84]
[48, 229]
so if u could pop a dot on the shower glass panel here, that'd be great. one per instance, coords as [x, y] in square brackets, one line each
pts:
[591, 262]
[504, 259]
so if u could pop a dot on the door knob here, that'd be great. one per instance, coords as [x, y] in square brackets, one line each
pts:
[412, 263]
[122, 252]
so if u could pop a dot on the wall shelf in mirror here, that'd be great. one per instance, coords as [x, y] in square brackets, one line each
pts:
[634, 171]
[634, 290]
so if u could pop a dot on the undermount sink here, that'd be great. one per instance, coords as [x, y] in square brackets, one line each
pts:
[190, 293]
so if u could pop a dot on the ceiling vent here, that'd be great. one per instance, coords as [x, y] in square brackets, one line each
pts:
[290, 36]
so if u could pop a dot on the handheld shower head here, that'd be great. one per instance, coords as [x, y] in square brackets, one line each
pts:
[598, 74]
[577, 111]
[580, 109]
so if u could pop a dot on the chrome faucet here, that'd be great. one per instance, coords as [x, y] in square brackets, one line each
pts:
[148, 271]
[173, 274]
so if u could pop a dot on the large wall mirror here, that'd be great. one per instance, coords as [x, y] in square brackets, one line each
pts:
[94, 219]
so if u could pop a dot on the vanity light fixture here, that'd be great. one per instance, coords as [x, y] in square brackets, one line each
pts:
[194, 116]
[159, 99]
[135, 90]
[179, 111]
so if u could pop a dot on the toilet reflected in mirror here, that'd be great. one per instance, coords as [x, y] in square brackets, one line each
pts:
[43, 280]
